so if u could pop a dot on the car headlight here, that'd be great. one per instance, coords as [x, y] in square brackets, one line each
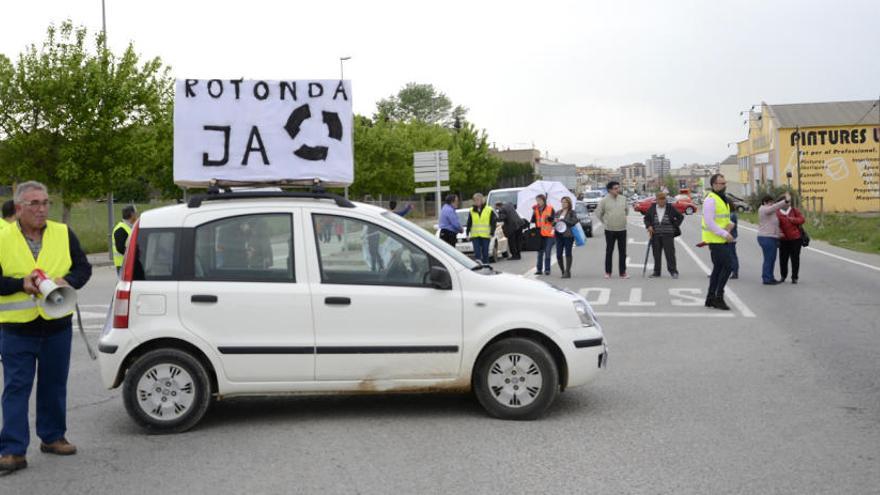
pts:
[584, 314]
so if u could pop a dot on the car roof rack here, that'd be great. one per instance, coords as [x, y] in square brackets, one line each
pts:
[196, 201]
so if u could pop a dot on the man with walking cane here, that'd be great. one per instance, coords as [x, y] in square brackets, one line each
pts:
[33, 342]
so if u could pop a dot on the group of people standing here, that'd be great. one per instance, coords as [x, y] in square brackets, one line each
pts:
[555, 228]
[780, 231]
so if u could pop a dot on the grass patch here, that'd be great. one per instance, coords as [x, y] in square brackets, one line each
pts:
[849, 231]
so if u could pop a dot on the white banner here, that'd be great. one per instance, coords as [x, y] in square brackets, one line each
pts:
[257, 131]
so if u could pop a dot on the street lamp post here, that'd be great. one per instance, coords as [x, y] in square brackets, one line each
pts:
[798, 143]
[341, 60]
[341, 78]
[110, 219]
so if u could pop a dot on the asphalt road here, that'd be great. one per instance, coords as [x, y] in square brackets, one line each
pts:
[780, 395]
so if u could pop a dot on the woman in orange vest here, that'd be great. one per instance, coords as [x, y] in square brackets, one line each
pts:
[542, 217]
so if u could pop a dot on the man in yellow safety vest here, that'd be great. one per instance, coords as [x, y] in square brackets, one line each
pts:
[8, 214]
[716, 233]
[121, 233]
[33, 342]
[481, 227]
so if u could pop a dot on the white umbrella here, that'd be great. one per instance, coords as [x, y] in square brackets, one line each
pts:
[553, 190]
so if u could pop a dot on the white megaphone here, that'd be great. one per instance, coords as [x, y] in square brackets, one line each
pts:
[57, 300]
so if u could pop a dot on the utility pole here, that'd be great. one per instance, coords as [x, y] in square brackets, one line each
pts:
[110, 219]
[342, 78]
[798, 142]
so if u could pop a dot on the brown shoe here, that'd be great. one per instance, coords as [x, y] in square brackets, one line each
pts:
[10, 463]
[58, 447]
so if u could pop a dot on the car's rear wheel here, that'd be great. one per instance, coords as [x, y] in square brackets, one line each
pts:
[166, 391]
[741, 209]
[516, 378]
[689, 210]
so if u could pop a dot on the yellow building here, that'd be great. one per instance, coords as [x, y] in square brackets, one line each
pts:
[839, 145]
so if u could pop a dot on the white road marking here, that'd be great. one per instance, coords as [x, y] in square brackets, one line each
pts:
[826, 253]
[734, 299]
[604, 295]
[633, 241]
[686, 296]
[666, 315]
[635, 299]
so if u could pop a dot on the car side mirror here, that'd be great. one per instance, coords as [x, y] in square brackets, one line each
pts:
[440, 278]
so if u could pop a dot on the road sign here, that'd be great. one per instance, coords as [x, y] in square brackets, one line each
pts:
[420, 190]
[432, 166]
[431, 176]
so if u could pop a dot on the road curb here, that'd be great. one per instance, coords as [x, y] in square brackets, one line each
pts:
[99, 259]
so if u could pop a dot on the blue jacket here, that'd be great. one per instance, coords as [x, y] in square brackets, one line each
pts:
[449, 219]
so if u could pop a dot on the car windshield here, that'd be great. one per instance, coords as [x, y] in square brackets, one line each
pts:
[496, 197]
[426, 237]
[463, 215]
[592, 194]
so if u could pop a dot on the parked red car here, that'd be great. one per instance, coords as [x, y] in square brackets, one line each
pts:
[684, 206]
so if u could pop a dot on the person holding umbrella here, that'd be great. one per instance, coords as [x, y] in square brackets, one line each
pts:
[542, 217]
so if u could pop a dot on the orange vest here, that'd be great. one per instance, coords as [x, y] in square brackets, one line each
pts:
[544, 221]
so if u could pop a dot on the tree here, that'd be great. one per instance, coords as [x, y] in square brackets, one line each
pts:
[471, 167]
[671, 184]
[421, 103]
[81, 120]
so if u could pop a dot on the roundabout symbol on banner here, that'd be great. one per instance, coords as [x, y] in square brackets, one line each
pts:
[302, 113]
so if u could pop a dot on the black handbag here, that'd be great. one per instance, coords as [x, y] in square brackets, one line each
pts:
[805, 239]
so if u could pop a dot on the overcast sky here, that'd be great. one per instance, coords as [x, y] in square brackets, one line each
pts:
[605, 82]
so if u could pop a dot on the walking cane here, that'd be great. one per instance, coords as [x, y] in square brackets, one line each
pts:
[648, 250]
[82, 332]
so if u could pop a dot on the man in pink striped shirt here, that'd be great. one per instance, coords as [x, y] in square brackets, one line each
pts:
[716, 233]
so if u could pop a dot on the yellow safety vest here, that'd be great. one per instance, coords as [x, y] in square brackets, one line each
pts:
[117, 256]
[17, 261]
[480, 223]
[722, 218]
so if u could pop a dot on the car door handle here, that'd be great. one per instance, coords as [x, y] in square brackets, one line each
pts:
[203, 298]
[337, 301]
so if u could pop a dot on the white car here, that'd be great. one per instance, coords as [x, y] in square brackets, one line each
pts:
[270, 293]
[498, 246]
[592, 199]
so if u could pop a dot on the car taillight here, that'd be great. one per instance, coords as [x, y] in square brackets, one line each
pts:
[123, 288]
[121, 305]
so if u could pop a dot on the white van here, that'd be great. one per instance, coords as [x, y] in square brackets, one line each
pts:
[266, 293]
[506, 195]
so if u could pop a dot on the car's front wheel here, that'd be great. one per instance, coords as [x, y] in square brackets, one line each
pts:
[167, 391]
[516, 378]
[689, 210]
